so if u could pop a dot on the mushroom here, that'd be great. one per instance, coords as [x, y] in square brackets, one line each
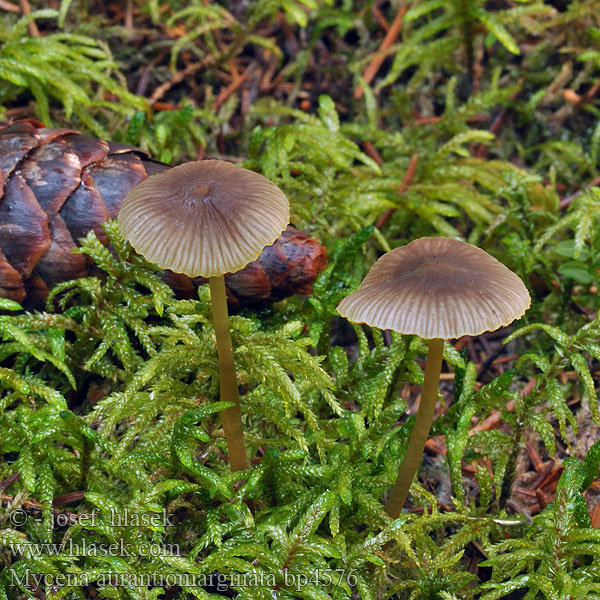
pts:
[437, 288]
[208, 218]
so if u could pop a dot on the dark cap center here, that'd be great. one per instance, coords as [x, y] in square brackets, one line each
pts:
[202, 190]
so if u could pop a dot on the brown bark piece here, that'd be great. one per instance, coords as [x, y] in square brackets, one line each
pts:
[24, 231]
[115, 176]
[85, 210]
[52, 172]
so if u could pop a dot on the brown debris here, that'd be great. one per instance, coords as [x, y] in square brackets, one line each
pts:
[538, 475]
[178, 77]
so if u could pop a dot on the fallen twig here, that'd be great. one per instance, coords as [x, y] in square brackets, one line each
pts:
[380, 18]
[230, 89]
[378, 58]
[534, 456]
[564, 203]
[9, 6]
[178, 77]
[406, 181]
[498, 122]
[32, 28]
[372, 152]
[9, 480]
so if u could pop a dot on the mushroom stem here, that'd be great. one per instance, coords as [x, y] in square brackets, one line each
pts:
[230, 417]
[420, 432]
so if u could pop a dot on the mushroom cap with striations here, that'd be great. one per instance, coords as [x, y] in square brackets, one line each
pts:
[437, 287]
[204, 218]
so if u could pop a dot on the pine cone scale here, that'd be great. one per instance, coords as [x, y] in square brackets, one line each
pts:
[85, 210]
[24, 230]
[11, 283]
[115, 177]
[303, 258]
[251, 281]
[16, 142]
[49, 134]
[58, 262]
[53, 172]
[88, 150]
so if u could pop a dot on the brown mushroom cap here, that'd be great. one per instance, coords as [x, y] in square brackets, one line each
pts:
[437, 287]
[204, 218]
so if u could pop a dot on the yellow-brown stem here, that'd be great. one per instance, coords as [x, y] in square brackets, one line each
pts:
[231, 417]
[418, 437]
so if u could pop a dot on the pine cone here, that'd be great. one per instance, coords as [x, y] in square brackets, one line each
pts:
[57, 184]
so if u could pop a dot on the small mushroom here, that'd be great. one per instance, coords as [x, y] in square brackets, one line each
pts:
[437, 288]
[208, 218]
